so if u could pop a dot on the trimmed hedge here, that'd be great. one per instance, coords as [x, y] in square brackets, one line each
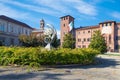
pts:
[35, 57]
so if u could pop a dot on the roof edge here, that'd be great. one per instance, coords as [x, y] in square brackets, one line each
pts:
[66, 16]
[14, 21]
[88, 27]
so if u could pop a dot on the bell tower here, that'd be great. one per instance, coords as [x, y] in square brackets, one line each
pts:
[42, 24]
[65, 22]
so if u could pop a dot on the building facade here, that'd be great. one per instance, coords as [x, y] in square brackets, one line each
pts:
[83, 36]
[10, 29]
[110, 30]
[39, 32]
[64, 26]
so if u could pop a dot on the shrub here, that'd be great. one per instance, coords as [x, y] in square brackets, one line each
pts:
[31, 40]
[36, 56]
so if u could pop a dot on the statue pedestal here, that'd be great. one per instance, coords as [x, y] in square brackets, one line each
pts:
[48, 46]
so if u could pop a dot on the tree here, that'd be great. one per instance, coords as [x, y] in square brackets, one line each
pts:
[69, 41]
[56, 42]
[1, 44]
[98, 42]
[31, 40]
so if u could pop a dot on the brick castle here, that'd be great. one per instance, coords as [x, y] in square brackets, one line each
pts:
[110, 30]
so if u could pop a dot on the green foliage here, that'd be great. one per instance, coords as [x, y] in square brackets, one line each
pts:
[56, 42]
[1, 43]
[69, 41]
[98, 42]
[36, 56]
[31, 40]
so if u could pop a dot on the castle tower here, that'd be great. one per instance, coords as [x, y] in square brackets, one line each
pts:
[65, 22]
[42, 24]
[107, 29]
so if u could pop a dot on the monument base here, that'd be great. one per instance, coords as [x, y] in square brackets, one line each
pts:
[48, 46]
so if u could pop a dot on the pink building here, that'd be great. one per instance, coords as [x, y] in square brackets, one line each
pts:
[109, 29]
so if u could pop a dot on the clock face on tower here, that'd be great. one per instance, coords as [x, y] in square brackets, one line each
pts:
[106, 30]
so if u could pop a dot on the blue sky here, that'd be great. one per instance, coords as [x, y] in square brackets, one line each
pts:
[85, 12]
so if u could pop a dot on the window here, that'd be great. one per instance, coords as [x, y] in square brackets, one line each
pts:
[64, 33]
[2, 27]
[79, 32]
[84, 46]
[66, 17]
[41, 23]
[110, 24]
[83, 31]
[26, 32]
[29, 32]
[2, 39]
[109, 39]
[11, 28]
[22, 31]
[88, 31]
[64, 25]
[106, 24]
[19, 30]
[88, 39]
[102, 25]
[84, 39]
[117, 46]
[117, 37]
[79, 40]
[79, 46]
[11, 41]
[118, 28]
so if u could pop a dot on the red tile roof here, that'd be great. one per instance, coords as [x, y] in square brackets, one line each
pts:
[66, 16]
[87, 27]
[118, 23]
[107, 21]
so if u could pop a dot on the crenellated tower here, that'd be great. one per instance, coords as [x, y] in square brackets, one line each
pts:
[65, 23]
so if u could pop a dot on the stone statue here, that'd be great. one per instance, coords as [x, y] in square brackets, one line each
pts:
[49, 33]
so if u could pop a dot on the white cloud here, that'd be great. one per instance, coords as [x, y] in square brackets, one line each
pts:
[84, 7]
[64, 6]
[87, 10]
[32, 7]
[16, 14]
[6, 10]
[57, 7]
[52, 7]
[116, 15]
[23, 16]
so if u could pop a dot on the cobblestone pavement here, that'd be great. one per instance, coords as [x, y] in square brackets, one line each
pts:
[108, 68]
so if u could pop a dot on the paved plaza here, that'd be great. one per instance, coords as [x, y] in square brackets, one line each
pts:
[106, 68]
